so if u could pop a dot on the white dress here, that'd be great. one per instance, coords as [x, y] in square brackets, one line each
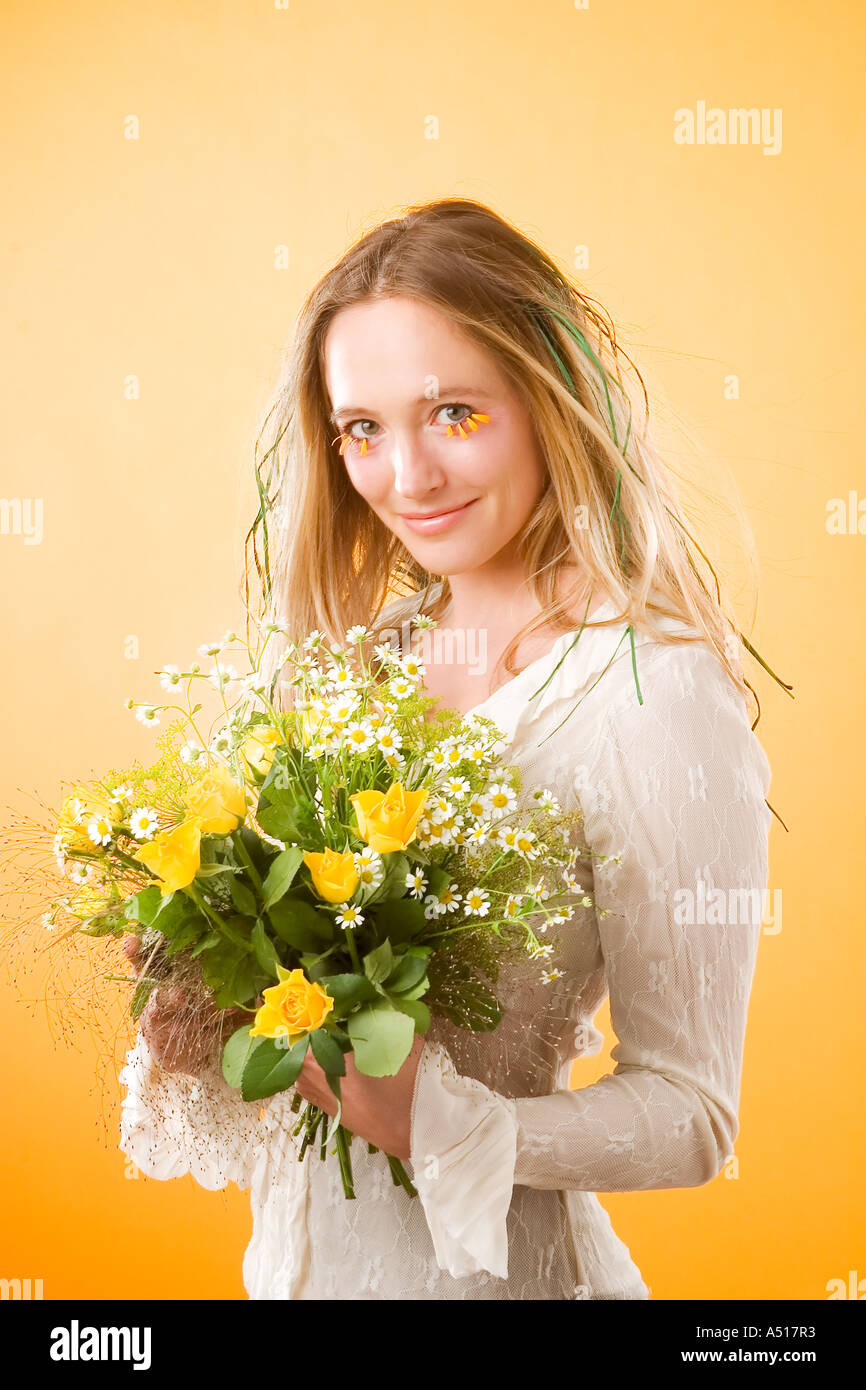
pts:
[506, 1158]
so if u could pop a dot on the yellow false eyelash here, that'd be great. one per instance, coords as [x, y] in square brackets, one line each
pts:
[349, 439]
[470, 421]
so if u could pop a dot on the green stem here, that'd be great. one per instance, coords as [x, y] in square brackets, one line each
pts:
[244, 854]
[231, 933]
[400, 1176]
[353, 950]
[345, 1162]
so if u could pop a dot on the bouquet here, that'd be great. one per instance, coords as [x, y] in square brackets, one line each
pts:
[338, 870]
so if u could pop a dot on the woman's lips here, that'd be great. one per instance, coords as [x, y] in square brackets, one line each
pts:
[425, 525]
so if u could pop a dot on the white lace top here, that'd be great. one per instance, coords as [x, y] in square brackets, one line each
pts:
[506, 1158]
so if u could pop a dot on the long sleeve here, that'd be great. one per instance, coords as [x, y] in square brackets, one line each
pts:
[173, 1124]
[676, 787]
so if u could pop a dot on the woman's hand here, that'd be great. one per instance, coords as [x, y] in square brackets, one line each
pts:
[179, 1038]
[378, 1108]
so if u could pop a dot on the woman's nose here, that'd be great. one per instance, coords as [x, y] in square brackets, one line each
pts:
[416, 470]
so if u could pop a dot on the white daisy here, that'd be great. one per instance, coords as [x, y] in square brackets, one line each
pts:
[191, 751]
[478, 902]
[358, 736]
[388, 739]
[349, 916]
[222, 676]
[423, 622]
[99, 830]
[547, 801]
[412, 667]
[416, 883]
[147, 715]
[401, 687]
[315, 639]
[544, 951]
[512, 905]
[500, 798]
[169, 677]
[211, 648]
[144, 823]
[370, 867]
[341, 678]
[526, 844]
[458, 787]
[549, 975]
[357, 634]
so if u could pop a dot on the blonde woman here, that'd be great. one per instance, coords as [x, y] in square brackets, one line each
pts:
[453, 428]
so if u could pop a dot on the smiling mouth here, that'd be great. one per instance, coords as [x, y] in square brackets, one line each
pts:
[431, 516]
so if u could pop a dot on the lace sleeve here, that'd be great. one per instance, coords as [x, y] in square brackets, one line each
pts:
[677, 786]
[173, 1124]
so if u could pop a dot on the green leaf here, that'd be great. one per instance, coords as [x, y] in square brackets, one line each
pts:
[408, 970]
[143, 906]
[378, 963]
[284, 809]
[281, 874]
[300, 925]
[265, 950]
[271, 1068]
[327, 1053]
[416, 1010]
[141, 994]
[186, 935]
[242, 896]
[381, 1038]
[400, 919]
[208, 941]
[346, 991]
[236, 1054]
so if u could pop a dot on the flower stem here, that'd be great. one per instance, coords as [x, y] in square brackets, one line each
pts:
[345, 1162]
[244, 854]
[400, 1176]
[353, 950]
[198, 898]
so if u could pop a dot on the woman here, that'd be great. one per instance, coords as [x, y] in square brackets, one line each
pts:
[454, 422]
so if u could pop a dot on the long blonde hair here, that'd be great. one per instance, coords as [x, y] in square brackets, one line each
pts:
[610, 507]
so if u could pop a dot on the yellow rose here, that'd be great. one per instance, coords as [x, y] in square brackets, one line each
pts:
[257, 749]
[174, 855]
[217, 802]
[334, 875]
[388, 820]
[293, 1007]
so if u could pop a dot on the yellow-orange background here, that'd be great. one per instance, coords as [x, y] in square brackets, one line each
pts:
[300, 126]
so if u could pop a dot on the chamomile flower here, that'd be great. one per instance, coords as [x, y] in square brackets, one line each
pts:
[349, 916]
[357, 634]
[222, 676]
[341, 678]
[512, 905]
[507, 837]
[454, 755]
[547, 801]
[549, 975]
[144, 823]
[479, 833]
[500, 798]
[221, 744]
[526, 844]
[81, 873]
[147, 715]
[169, 677]
[191, 752]
[423, 622]
[436, 757]
[388, 739]
[99, 830]
[458, 787]
[359, 736]
[412, 667]
[401, 687]
[570, 881]
[449, 898]
[477, 902]
[370, 867]
[211, 648]
[316, 749]
[385, 653]
[544, 951]
[314, 640]
[416, 883]
[475, 807]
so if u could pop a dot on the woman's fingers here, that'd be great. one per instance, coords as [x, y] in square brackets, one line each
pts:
[130, 945]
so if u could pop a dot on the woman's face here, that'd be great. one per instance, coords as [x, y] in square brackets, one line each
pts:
[398, 373]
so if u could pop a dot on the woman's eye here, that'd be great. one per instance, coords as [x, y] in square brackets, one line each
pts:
[350, 428]
[458, 406]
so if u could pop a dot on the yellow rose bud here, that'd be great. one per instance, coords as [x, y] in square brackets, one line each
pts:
[174, 856]
[257, 749]
[334, 875]
[388, 821]
[217, 802]
[293, 1007]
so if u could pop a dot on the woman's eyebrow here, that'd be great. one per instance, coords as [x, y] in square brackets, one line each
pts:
[444, 391]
